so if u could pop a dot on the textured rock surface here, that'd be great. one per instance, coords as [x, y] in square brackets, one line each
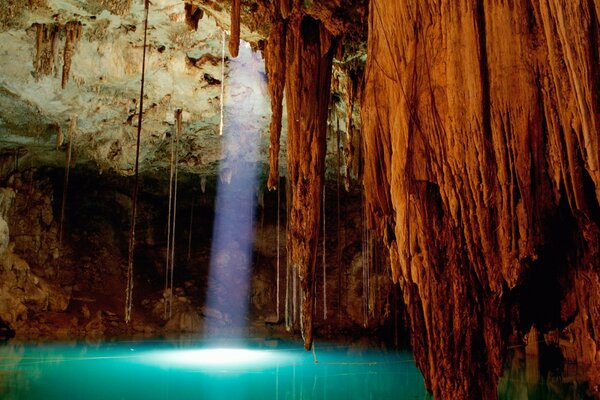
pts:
[480, 119]
[66, 59]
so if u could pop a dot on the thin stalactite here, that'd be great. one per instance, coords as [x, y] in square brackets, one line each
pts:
[72, 36]
[234, 38]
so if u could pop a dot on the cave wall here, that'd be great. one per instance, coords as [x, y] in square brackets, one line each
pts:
[479, 118]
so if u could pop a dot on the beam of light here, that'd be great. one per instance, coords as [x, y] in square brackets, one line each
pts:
[231, 358]
[233, 233]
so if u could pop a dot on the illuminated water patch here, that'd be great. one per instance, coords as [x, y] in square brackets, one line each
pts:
[217, 358]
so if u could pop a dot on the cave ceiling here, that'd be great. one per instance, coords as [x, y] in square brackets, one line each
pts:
[99, 44]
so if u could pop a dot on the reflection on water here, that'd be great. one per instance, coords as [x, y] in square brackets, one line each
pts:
[527, 378]
[167, 370]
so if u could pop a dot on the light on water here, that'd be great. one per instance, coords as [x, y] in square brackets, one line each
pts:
[218, 357]
[163, 370]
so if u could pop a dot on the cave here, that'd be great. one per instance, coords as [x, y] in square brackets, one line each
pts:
[311, 199]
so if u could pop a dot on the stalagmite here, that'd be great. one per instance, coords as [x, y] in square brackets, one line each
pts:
[275, 66]
[131, 248]
[234, 38]
[72, 36]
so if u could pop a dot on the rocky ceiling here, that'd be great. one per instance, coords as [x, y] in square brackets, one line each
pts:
[74, 66]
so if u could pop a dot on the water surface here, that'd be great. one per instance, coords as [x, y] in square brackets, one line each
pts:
[169, 370]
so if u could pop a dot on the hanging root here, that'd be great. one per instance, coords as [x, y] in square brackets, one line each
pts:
[324, 259]
[222, 98]
[278, 250]
[70, 138]
[169, 230]
[129, 289]
[178, 127]
[234, 39]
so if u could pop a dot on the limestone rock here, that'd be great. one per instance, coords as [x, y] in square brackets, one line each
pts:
[481, 126]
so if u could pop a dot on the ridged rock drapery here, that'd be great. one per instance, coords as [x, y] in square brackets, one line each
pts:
[299, 54]
[480, 118]
[308, 78]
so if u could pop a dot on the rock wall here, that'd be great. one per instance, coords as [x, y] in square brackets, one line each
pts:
[480, 119]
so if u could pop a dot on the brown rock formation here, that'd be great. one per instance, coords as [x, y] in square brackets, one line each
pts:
[308, 78]
[479, 119]
[234, 39]
[72, 36]
[275, 65]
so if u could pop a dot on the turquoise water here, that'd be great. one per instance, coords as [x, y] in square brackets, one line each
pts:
[168, 370]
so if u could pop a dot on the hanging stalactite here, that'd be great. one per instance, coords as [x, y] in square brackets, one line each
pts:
[234, 38]
[72, 36]
[131, 247]
[275, 66]
[310, 50]
[45, 48]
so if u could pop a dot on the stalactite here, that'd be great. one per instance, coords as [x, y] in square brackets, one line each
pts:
[72, 36]
[234, 38]
[131, 248]
[222, 98]
[275, 66]
[45, 48]
[193, 14]
[308, 78]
